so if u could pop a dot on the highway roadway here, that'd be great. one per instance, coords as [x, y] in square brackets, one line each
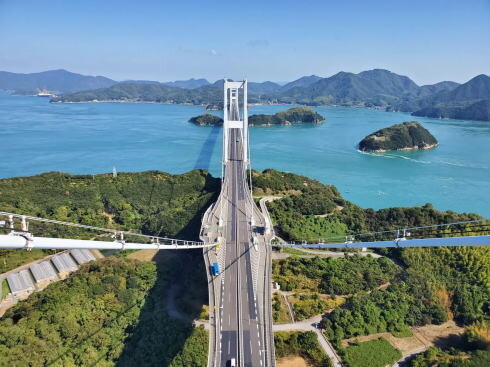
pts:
[240, 330]
[240, 296]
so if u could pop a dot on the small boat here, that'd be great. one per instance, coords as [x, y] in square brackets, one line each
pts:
[45, 93]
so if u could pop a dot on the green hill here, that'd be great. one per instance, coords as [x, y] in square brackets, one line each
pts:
[477, 111]
[291, 116]
[408, 135]
[138, 92]
[207, 120]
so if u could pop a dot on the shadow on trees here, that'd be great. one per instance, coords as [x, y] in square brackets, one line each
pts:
[452, 340]
[207, 149]
[93, 334]
[157, 338]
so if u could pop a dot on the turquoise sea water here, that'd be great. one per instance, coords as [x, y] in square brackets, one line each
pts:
[36, 136]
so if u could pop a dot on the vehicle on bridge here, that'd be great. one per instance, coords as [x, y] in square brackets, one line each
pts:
[215, 269]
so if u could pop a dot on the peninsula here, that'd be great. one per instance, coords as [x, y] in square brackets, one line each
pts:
[409, 135]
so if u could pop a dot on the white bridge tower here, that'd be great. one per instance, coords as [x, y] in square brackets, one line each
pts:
[234, 118]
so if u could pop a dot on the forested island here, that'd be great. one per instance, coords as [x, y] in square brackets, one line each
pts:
[207, 119]
[291, 116]
[409, 135]
[296, 115]
[121, 301]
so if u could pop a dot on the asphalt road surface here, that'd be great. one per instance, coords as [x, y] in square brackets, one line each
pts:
[241, 334]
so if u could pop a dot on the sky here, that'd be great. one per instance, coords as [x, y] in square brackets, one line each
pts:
[429, 40]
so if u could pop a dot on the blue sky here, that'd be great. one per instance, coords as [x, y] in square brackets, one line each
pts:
[429, 40]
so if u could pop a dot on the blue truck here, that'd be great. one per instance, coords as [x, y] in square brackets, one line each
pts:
[215, 269]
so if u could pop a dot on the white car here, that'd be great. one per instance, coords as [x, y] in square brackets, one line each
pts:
[233, 362]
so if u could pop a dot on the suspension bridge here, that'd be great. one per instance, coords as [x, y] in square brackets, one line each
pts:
[236, 238]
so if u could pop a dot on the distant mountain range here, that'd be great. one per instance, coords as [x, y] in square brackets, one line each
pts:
[376, 88]
[53, 80]
[189, 84]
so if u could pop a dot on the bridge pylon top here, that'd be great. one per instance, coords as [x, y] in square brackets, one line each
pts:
[235, 115]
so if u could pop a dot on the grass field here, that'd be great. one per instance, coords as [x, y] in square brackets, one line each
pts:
[293, 251]
[402, 334]
[5, 289]
[374, 353]
[304, 344]
[280, 310]
[306, 305]
[11, 259]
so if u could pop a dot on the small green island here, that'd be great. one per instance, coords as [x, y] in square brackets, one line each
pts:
[291, 116]
[409, 135]
[207, 119]
[296, 115]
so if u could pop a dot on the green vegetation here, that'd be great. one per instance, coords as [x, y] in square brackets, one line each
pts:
[346, 275]
[207, 120]
[477, 111]
[280, 312]
[407, 135]
[477, 335]
[409, 302]
[435, 357]
[307, 202]
[101, 315]
[463, 271]
[373, 353]
[156, 93]
[191, 286]
[306, 305]
[437, 284]
[152, 202]
[293, 251]
[5, 288]
[11, 259]
[303, 344]
[160, 340]
[476, 350]
[406, 333]
[288, 117]
[373, 88]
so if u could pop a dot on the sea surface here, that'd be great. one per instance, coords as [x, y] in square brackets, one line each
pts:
[36, 136]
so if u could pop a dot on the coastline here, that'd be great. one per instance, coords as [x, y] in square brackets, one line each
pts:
[425, 147]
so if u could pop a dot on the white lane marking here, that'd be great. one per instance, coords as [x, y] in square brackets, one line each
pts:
[229, 319]
[229, 346]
